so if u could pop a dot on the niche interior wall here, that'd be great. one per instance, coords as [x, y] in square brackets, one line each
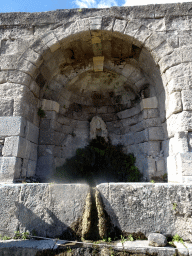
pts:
[131, 66]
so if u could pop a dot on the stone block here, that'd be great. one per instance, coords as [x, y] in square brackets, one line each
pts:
[50, 137]
[51, 41]
[186, 99]
[15, 146]
[160, 165]
[173, 175]
[187, 179]
[115, 139]
[170, 60]
[44, 150]
[166, 148]
[63, 120]
[179, 122]
[135, 138]
[12, 126]
[155, 40]
[32, 148]
[149, 103]
[156, 133]
[26, 66]
[175, 85]
[32, 132]
[34, 88]
[98, 63]
[129, 112]
[95, 23]
[152, 148]
[50, 105]
[181, 142]
[8, 62]
[103, 109]
[157, 240]
[6, 107]
[174, 104]
[83, 25]
[50, 115]
[151, 167]
[119, 25]
[150, 113]
[22, 108]
[18, 77]
[44, 206]
[155, 204]
[3, 77]
[130, 121]
[190, 140]
[31, 168]
[153, 122]
[128, 70]
[184, 163]
[33, 57]
[45, 168]
[10, 169]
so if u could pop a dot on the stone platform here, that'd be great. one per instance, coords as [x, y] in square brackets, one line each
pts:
[54, 247]
[51, 210]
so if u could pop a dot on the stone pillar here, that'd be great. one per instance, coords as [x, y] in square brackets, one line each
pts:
[19, 152]
[48, 139]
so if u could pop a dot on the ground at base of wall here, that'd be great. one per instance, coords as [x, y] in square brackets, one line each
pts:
[65, 248]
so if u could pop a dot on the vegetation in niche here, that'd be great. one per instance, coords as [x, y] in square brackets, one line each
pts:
[99, 162]
[175, 238]
[19, 235]
[41, 112]
[174, 206]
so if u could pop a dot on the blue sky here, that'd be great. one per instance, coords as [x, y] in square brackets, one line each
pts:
[49, 5]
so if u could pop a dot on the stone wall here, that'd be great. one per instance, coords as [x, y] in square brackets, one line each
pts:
[52, 209]
[129, 65]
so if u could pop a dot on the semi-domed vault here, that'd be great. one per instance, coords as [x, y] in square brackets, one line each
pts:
[103, 74]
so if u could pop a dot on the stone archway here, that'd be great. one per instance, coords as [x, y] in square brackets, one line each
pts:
[100, 73]
[133, 65]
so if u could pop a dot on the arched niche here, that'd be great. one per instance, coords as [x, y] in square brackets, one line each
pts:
[110, 75]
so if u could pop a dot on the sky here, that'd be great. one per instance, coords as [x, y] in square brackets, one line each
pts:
[50, 5]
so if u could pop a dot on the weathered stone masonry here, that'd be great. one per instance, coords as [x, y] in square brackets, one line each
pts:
[131, 66]
[127, 68]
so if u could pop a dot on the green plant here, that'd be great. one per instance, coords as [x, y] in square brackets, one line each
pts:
[152, 181]
[123, 240]
[165, 176]
[174, 206]
[130, 238]
[177, 238]
[19, 235]
[41, 112]
[6, 238]
[109, 239]
[96, 242]
[69, 249]
[99, 161]
[25, 235]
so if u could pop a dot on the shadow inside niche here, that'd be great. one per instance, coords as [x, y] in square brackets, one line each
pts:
[98, 162]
